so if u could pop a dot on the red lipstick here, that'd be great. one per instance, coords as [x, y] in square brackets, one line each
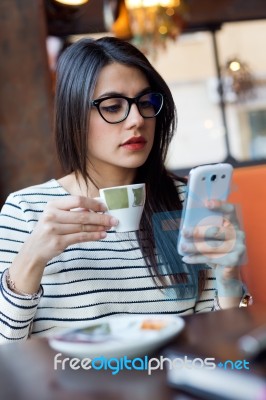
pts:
[135, 143]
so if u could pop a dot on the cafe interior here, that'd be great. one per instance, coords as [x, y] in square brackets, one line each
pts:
[212, 55]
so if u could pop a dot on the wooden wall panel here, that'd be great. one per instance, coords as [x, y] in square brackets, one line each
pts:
[26, 145]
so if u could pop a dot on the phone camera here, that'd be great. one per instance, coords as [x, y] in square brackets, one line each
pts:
[213, 178]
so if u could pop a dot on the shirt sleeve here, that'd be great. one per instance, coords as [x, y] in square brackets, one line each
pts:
[16, 311]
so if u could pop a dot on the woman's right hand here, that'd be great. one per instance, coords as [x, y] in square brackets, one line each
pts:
[58, 228]
[61, 226]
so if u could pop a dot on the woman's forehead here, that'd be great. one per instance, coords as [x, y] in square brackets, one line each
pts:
[119, 78]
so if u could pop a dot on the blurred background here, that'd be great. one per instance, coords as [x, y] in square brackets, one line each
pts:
[212, 55]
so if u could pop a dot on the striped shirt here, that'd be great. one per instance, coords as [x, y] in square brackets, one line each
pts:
[87, 281]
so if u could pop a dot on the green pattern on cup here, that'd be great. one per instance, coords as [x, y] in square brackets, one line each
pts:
[139, 197]
[116, 198]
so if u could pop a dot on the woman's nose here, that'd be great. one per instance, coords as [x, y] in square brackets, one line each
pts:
[134, 117]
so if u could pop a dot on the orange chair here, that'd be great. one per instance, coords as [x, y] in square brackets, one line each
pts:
[249, 192]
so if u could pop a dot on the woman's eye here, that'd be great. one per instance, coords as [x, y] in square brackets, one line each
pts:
[145, 104]
[111, 108]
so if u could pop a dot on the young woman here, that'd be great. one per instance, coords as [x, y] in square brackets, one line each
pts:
[115, 117]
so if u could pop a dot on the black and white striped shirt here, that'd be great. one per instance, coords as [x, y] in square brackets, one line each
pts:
[87, 281]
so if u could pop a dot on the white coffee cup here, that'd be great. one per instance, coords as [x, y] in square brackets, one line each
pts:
[126, 203]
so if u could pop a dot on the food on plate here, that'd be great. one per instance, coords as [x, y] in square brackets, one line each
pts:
[153, 324]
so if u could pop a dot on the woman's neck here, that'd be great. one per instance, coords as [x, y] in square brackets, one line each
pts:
[110, 175]
[77, 186]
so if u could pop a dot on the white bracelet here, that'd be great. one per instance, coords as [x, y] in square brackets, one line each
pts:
[11, 285]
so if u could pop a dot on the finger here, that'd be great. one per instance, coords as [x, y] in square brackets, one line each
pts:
[68, 240]
[205, 232]
[78, 217]
[230, 259]
[209, 247]
[219, 205]
[227, 209]
[67, 229]
[71, 202]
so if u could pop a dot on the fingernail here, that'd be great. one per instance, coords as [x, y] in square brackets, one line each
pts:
[114, 221]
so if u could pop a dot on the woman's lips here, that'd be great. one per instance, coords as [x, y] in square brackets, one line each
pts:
[134, 143]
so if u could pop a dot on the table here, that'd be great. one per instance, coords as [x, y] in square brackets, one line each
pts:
[27, 369]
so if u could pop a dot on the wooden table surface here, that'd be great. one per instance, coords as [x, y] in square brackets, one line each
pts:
[27, 368]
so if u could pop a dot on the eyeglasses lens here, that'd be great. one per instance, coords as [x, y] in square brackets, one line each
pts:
[114, 109]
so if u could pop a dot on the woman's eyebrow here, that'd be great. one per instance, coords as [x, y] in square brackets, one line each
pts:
[108, 94]
[113, 93]
[144, 91]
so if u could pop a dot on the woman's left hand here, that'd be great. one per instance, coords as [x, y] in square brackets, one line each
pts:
[216, 245]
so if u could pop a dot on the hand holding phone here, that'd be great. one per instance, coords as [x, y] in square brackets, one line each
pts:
[204, 231]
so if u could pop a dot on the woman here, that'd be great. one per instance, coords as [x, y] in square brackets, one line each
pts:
[115, 117]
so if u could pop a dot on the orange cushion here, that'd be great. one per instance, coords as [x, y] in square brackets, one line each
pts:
[249, 193]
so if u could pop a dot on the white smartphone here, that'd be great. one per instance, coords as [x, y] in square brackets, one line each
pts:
[206, 182]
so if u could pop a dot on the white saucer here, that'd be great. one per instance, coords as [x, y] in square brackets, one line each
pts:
[127, 336]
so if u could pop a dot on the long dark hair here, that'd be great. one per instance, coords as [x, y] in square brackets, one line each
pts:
[77, 74]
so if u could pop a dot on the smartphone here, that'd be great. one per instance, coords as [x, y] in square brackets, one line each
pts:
[206, 182]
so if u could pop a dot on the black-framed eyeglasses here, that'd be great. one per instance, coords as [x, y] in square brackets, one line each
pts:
[115, 109]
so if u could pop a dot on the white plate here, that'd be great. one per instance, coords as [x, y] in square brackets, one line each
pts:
[126, 337]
